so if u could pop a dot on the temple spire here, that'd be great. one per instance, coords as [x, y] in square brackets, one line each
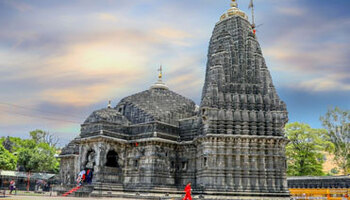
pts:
[109, 104]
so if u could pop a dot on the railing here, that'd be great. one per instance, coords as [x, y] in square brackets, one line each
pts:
[328, 194]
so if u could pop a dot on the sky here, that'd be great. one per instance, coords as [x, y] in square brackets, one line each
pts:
[62, 59]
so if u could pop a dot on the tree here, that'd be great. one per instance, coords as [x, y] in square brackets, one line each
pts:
[304, 151]
[7, 160]
[12, 144]
[38, 157]
[337, 123]
[36, 154]
[42, 136]
[8, 144]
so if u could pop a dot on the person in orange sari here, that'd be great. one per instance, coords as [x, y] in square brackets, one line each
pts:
[188, 190]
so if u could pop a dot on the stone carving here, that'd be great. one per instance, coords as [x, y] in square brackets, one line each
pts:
[232, 144]
[91, 160]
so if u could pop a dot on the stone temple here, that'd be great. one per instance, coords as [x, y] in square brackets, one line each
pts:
[156, 141]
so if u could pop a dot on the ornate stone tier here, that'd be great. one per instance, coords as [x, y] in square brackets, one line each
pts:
[91, 129]
[243, 164]
[188, 128]
[242, 122]
[133, 132]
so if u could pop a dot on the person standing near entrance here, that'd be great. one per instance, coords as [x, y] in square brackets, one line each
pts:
[12, 186]
[81, 177]
[188, 191]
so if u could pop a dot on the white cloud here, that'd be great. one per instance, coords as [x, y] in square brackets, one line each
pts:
[108, 17]
[291, 11]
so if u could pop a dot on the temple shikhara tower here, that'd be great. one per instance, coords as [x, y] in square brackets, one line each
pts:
[156, 141]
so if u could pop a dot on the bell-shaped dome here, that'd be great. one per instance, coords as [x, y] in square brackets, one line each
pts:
[156, 104]
[106, 115]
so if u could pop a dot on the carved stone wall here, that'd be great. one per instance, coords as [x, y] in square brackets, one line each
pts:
[189, 128]
[69, 169]
[150, 164]
[241, 164]
[185, 166]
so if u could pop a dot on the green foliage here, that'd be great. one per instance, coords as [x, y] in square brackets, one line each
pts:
[304, 151]
[40, 136]
[7, 160]
[334, 171]
[40, 158]
[16, 143]
[35, 155]
[337, 123]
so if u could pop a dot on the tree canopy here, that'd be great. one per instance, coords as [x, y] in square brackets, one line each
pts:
[7, 160]
[304, 151]
[40, 136]
[40, 158]
[337, 123]
[36, 154]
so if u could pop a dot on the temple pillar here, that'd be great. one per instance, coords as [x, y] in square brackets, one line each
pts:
[238, 172]
[228, 166]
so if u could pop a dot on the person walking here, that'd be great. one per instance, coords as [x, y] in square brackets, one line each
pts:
[188, 190]
[12, 186]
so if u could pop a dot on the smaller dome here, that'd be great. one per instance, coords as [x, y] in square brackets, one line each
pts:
[71, 148]
[233, 11]
[106, 115]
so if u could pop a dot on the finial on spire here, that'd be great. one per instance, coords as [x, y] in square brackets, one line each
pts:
[234, 3]
[159, 84]
[109, 104]
[160, 75]
[233, 11]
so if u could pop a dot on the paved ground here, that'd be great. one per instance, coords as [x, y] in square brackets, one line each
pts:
[23, 195]
[18, 197]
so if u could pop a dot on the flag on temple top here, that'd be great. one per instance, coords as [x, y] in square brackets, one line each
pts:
[251, 5]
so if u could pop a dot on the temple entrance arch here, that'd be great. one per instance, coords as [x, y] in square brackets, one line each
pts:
[113, 166]
[112, 159]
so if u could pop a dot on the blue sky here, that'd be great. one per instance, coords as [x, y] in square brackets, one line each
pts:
[60, 60]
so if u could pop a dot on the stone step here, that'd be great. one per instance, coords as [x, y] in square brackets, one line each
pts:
[136, 195]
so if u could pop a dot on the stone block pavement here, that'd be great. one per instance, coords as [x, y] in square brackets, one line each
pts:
[18, 197]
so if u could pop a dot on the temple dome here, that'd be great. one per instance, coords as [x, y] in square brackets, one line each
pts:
[106, 115]
[156, 104]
